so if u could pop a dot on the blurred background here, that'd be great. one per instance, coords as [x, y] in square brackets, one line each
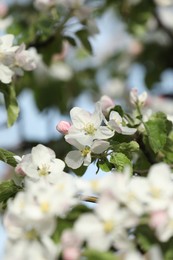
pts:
[83, 50]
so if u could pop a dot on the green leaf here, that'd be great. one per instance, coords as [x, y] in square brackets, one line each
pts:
[142, 164]
[120, 161]
[7, 157]
[8, 189]
[10, 103]
[99, 255]
[145, 237]
[127, 148]
[118, 109]
[157, 129]
[71, 40]
[65, 223]
[167, 249]
[80, 171]
[104, 165]
[83, 36]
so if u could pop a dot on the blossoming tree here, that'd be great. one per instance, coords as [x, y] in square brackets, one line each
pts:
[49, 210]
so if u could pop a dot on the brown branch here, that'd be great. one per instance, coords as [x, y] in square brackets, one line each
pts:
[91, 199]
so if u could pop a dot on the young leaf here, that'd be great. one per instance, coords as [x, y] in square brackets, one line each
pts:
[83, 36]
[157, 128]
[104, 165]
[10, 103]
[120, 161]
[145, 237]
[91, 254]
[127, 148]
[8, 189]
[7, 157]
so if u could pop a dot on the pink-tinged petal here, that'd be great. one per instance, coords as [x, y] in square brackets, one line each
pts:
[74, 159]
[158, 218]
[71, 253]
[106, 104]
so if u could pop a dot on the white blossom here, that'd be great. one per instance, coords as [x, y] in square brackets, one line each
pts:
[76, 158]
[13, 59]
[119, 124]
[41, 163]
[87, 127]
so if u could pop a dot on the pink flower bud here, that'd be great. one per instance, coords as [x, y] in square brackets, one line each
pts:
[135, 98]
[71, 253]
[63, 127]
[106, 104]
[19, 170]
[3, 9]
[158, 218]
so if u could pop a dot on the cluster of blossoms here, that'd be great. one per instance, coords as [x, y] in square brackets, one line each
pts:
[13, 59]
[35, 218]
[89, 132]
[123, 203]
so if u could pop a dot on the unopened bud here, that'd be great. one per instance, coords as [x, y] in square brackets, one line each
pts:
[138, 99]
[63, 127]
[106, 104]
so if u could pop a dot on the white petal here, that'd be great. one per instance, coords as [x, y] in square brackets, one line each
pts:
[115, 116]
[6, 41]
[127, 130]
[74, 159]
[42, 154]
[99, 146]
[97, 116]
[87, 159]
[79, 117]
[5, 74]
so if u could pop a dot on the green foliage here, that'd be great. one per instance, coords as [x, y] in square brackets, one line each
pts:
[10, 103]
[8, 189]
[104, 165]
[145, 237]
[83, 36]
[120, 161]
[68, 221]
[118, 109]
[127, 148]
[7, 157]
[80, 171]
[157, 129]
[99, 255]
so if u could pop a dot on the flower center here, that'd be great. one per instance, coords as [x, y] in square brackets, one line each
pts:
[43, 170]
[31, 234]
[108, 226]
[155, 192]
[44, 206]
[85, 151]
[90, 129]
